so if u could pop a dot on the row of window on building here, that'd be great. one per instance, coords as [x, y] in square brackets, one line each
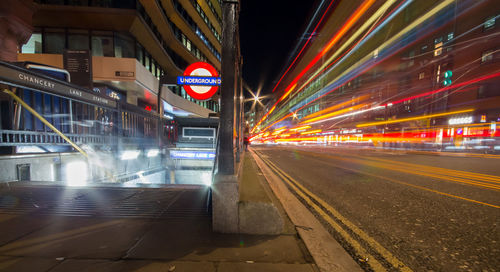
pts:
[100, 43]
[192, 24]
[80, 118]
[206, 20]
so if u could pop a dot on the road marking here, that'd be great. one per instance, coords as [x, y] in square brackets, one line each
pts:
[308, 196]
[417, 170]
[479, 176]
[401, 182]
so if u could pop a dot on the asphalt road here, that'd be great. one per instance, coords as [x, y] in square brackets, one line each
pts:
[397, 211]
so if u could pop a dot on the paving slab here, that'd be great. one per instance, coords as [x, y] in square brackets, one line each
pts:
[132, 265]
[195, 241]
[268, 267]
[72, 237]
[15, 226]
[25, 264]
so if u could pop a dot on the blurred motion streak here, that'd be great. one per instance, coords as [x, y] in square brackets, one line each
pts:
[413, 118]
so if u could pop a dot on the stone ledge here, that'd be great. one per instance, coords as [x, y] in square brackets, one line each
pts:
[257, 212]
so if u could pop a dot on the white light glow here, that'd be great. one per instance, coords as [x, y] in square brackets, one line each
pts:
[76, 173]
[152, 153]
[130, 154]
[206, 178]
[460, 120]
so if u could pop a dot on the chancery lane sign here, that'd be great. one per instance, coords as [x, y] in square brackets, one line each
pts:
[201, 81]
[12, 75]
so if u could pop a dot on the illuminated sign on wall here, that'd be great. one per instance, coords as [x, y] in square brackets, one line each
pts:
[460, 120]
[195, 155]
[200, 80]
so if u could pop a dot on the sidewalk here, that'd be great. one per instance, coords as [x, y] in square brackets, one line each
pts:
[63, 243]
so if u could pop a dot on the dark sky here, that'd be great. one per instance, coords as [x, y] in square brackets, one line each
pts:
[269, 30]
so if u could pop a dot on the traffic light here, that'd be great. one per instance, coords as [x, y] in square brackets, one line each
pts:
[447, 78]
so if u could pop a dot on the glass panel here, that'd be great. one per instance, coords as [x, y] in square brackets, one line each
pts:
[139, 53]
[65, 117]
[54, 43]
[146, 64]
[47, 107]
[38, 108]
[78, 41]
[34, 44]
[78, 2]
[124, 46]
[102, 46]
[57, 111]
[27, 116]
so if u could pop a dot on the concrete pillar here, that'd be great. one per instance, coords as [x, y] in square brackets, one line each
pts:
[225, 194]
[15, 26]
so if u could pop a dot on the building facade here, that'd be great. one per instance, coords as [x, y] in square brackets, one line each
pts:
[133, 44]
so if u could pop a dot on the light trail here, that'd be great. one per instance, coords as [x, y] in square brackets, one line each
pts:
[304, 46]
[335, 113]
[413, 118]
[349, 23]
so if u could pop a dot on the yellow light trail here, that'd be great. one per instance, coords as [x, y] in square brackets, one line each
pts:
[288, 92]
[336, 106]
[311, 132]
[413, 118]
[349, 23]
[353, 37]
[408, 28]
[300, 128]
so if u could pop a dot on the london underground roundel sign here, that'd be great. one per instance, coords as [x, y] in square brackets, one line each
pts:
[201, 81]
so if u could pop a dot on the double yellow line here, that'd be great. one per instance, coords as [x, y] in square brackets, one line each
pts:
[341, 225]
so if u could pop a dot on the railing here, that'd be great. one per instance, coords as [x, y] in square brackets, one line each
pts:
[20, 137]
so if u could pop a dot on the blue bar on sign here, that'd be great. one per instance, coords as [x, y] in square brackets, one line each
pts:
[202, 81]
[195, 155]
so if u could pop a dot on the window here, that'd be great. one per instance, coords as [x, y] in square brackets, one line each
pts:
[139, 54]
[34, 44]
[102, 45]
[54, 41]
[78, 40]
[78, 2]
[450, 36]
[421, 75]
[438, 49]
[147, 61]
[489, 23]
[487, 56]
[124, 46]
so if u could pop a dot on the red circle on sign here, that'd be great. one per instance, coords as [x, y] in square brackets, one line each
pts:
[193, 93]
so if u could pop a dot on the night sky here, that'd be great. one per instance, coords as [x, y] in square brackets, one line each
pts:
[269, 30]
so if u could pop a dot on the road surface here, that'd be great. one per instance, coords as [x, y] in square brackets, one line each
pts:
[397, 210]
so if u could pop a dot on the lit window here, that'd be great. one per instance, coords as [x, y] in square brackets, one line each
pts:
[34, 44]
[450, 36]
[421, 75]
[438, 49]
[490, 22]
[487, 56]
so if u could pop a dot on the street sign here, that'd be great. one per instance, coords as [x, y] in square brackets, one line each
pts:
[201, 81]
